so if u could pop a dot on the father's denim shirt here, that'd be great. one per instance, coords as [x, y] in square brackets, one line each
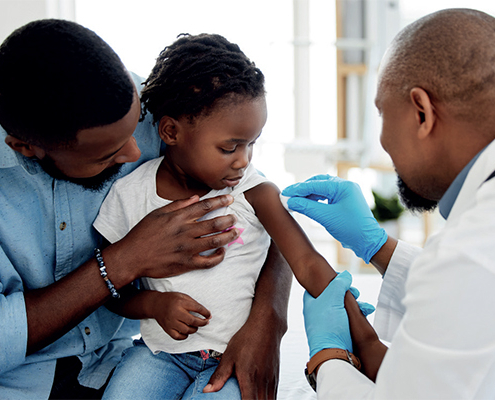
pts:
[45, 233]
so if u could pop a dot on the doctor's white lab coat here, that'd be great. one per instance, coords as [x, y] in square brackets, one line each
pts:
[437, 307]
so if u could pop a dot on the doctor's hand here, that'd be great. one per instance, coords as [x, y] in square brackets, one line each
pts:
[325, 318]
[346, 216]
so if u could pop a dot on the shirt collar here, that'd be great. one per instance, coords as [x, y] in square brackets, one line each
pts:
[7, 156]
[10, 158]
[450, 196]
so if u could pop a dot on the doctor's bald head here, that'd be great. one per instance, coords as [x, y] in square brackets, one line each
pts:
[451, 55]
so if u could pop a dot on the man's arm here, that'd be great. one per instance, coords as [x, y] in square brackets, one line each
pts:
[167, 242]
[382, 257]
[254, 351]
[442, 353]
[13, 331]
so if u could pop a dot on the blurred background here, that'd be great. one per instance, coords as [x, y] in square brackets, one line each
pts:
[320, 59]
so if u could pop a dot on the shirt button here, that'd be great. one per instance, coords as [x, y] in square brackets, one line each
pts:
[87, 331]
[63, 225]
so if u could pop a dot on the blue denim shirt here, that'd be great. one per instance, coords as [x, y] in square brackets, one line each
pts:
[45, 233]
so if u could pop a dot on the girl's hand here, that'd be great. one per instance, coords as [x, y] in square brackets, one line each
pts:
[179, 315]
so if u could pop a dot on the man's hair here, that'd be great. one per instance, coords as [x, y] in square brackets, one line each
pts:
[451, 55]
[56, 78]
[195, 73]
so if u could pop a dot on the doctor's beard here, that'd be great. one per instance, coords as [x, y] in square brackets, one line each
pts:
[413, 201]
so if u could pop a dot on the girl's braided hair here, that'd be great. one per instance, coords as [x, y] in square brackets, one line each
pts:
[194, 73]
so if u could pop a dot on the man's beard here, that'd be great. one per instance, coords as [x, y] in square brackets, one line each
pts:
[412, 200]
[94, 183]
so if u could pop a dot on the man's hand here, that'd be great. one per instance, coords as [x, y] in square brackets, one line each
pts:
[346, 217]
[168, 241]
[325, 318]
[328, 324]
[254, 360]
[253, 353]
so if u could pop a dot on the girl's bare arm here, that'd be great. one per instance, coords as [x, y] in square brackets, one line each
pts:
[312, 271]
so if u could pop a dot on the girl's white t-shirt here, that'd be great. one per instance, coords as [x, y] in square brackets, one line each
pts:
[226, 290]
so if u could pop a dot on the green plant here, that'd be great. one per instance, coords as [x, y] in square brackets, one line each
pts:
[386, 208]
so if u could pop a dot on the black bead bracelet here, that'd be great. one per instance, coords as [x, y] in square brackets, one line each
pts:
[104, 275]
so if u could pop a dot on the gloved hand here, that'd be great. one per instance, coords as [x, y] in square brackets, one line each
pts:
[346, 217]
[325, 318]
[366, 308]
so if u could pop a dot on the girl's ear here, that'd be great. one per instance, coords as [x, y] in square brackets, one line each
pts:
[26, 149]
[168, 130]
[425, 111]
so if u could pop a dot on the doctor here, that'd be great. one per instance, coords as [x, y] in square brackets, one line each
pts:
[436, 96]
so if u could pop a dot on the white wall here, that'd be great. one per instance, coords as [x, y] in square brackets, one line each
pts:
[139, 29]
[15, 13]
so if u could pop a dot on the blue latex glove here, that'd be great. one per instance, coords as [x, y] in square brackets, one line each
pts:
[325, 318]
[347, 216]
[366, 308]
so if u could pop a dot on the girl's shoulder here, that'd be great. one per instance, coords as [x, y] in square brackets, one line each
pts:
[146, 170]
[262, 194]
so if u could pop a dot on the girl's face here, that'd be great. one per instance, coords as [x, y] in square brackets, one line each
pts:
[215, 150]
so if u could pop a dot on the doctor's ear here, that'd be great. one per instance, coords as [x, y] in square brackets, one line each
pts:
[425, 111]
[422, 117]
[26, 149]
[168, 130]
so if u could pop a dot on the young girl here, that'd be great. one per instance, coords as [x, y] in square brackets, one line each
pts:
[208, 100]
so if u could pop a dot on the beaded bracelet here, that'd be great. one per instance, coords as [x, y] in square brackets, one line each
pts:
[104, 275]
